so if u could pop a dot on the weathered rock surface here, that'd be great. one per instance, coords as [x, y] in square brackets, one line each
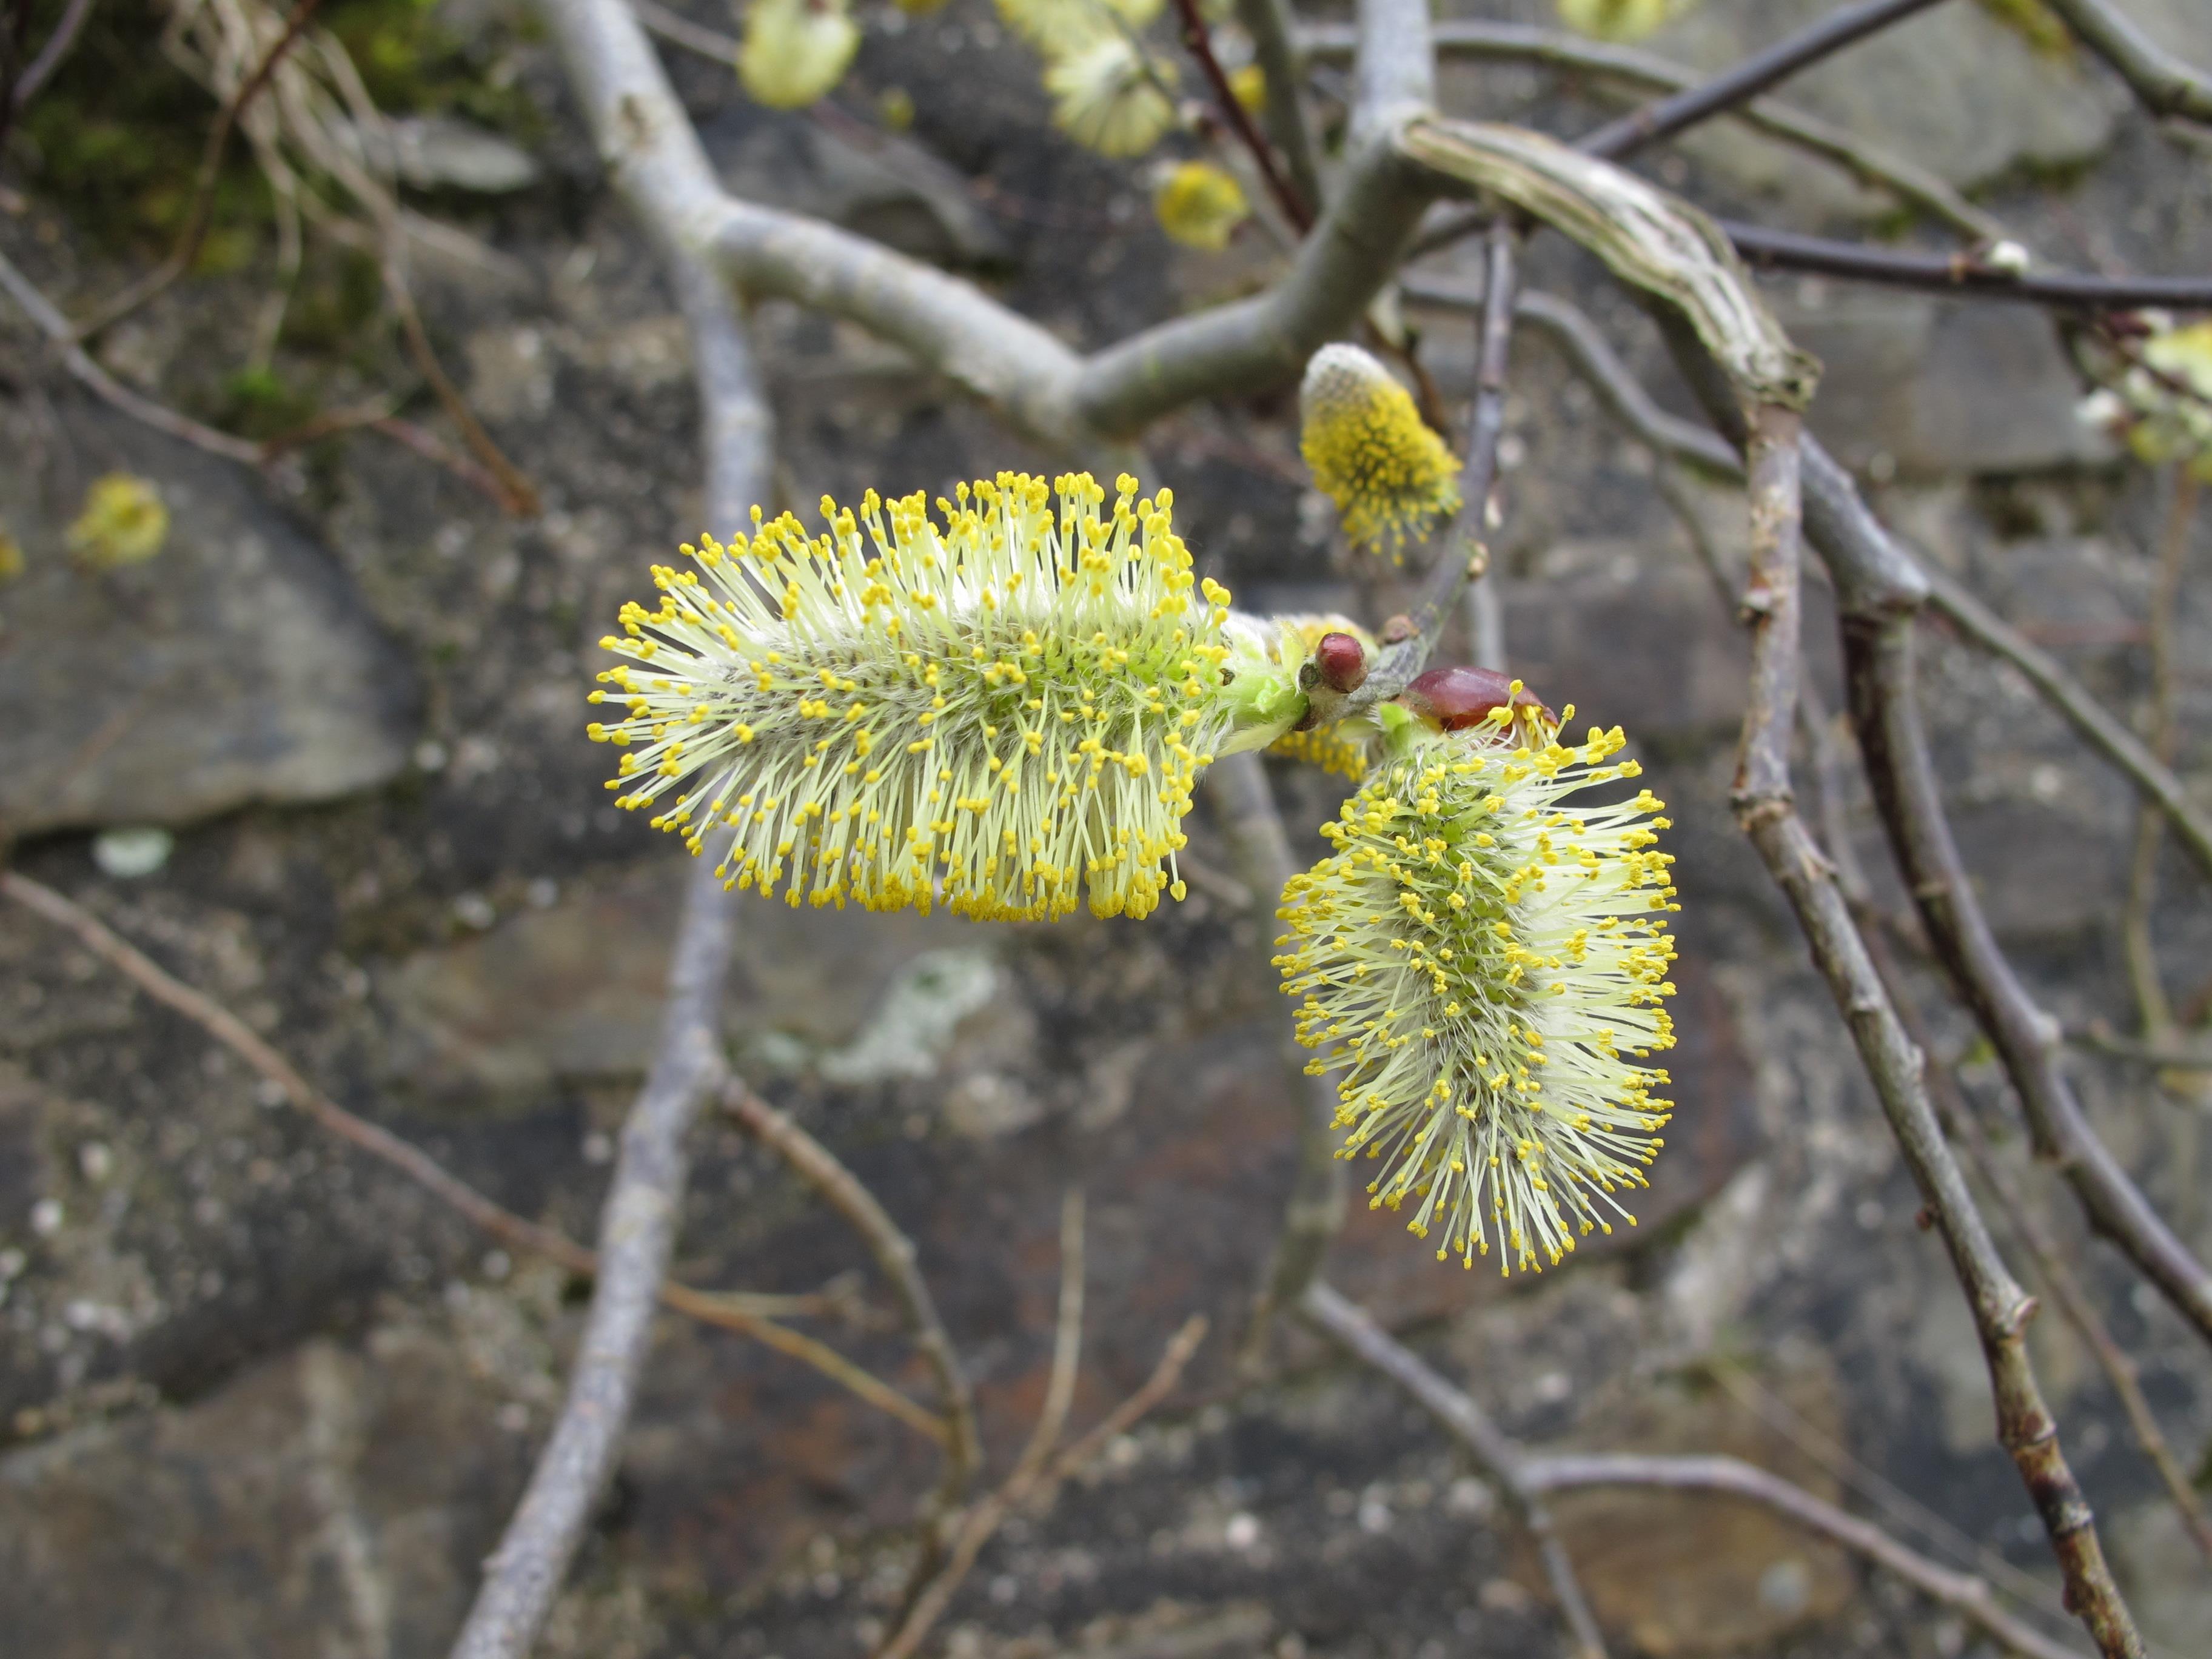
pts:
[258, 1394]
[237, 666]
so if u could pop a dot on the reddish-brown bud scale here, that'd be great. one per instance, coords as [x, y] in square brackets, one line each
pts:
[1453, 699]
[1342, 662]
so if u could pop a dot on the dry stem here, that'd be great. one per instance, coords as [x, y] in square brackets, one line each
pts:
[727, 1310]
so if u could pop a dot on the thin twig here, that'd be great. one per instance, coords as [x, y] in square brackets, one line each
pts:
[2153, 1008]
[732, 1311]
[1973, 275]
[518, 496]
[2101, 1037]
[1961, 1592]
[1519, 42]
[1822, 38]
[1763, 802]
[1200, 45]
[1038, 1481]
[1461, 540]
[187, 247]
[2080, 1311]
[1879, 654]
[1495, 1453]
[1268, 23]
[40, 68]
[637, 1231]
[2164, 84]
[56, 328]
[894, 1252]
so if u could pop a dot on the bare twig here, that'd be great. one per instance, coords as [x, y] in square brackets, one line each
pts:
[1961, 1592]
[1748, 79]
[1461, 540]
[2101, 1037]
[187, 248]
[2164, 84]
[733, 1311]
[2079, 1309]
[1297, 207]
[2152, 1006]
[516, 494]
[894, 1252]
[637, 1229]
[1495, 1453]
[638, 1222]
[2001, 1309]
[1519, 42]
[40, 69]
[1036, 1480]
[2104, 731]
[1268, 23]
[1973, 275]
[1880, 586]
[56, 328]
[1878, 655]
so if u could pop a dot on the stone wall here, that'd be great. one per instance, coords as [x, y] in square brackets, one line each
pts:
[259, 1396]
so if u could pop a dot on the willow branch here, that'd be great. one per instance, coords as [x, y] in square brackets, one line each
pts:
[638, 1224]
[2162, 83]
[1518, 42]
[894, 1255]
[2078, 1310]
[637, 1231]
[1394, 65]
[1738, 85]
[1880, 668]
[1297, 207]
[1268, 23]
[732, 1311]
[1973, 275]
[1462, 538]
[1963, 1593]
[1764, 807]
[1496, 1454]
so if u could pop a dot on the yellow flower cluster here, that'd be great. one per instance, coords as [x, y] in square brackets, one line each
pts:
[2162, 404]
[795, 51]
[123, 521]
[1391, 477]
[1199, 204]
[1619, 20]
[1484, 959]
[1110, 95]
[998, 712]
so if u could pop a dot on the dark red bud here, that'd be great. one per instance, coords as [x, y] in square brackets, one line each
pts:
[1342, 663]
[1454, 698]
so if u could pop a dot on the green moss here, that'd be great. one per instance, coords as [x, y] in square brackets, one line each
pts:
[119, 133]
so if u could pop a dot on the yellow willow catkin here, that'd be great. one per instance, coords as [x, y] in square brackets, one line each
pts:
[1000, 711]
[1371, 453]
[1484, 958]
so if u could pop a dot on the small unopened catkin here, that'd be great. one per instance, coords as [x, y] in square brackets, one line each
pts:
[1371, 453]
